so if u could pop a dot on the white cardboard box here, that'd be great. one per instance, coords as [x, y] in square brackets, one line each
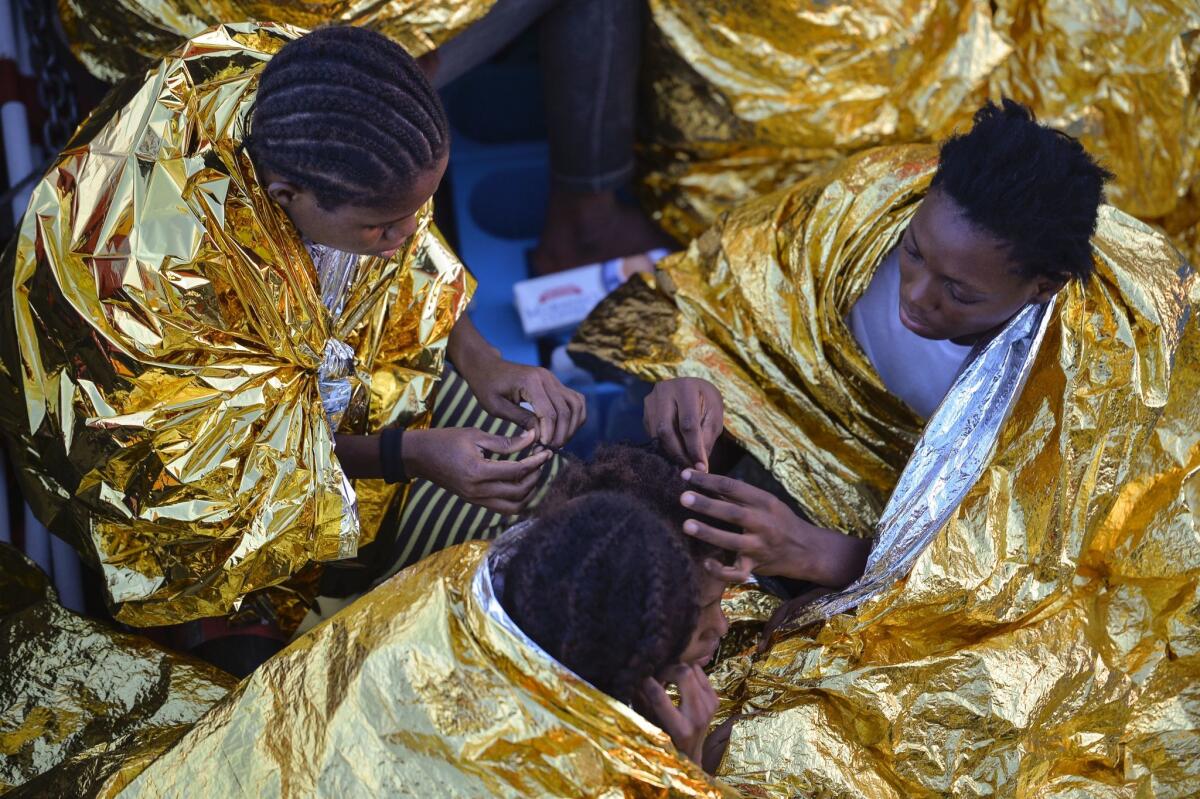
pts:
[563, 300]
[560, 301]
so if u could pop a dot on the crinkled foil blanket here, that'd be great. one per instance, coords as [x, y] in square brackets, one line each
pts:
[75, 694]
[746, 96]
[741, 97]
[423, 687]
[1029, 623]
[1045, 642]
[117, 38]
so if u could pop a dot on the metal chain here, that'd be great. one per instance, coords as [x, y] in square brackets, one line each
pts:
[54, 89]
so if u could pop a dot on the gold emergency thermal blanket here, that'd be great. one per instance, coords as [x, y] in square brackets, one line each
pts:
[74, 689]
[119, 38]
[747, 96]
[173, 367]
[423, 687]
[1029, 623]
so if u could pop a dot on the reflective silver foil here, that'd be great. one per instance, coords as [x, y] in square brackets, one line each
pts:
[952, 452]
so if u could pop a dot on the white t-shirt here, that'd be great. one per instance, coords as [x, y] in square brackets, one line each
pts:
[917, 370]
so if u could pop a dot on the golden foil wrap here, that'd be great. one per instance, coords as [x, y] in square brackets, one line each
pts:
[743, 97]
[747, 609]
[1044, 639]
[77, 691]
[423, 687]
[166, 349]
[119, 38]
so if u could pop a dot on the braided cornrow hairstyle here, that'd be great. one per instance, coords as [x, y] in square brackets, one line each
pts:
[641, 471]
[605, 584]
[347, 114]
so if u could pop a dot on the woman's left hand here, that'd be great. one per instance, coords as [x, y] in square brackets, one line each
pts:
[773, 540]
[688, 723]
[501, 386]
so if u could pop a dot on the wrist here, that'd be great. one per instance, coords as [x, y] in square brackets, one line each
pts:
[417, 452]
[474, 365]
[358, 455]
[797, 560]
[806, 553]
[839, 559]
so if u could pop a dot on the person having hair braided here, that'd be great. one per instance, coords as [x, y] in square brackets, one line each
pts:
[535, 664]
[606, 543]
[645, 473]
[607, 586]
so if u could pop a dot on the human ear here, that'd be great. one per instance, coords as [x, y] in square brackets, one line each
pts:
[283, 192]
[1045, 288]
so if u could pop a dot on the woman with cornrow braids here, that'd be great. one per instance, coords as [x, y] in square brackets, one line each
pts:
[231, 278]
[350, 140]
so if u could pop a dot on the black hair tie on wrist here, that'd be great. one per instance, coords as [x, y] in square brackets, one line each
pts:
[391, 455]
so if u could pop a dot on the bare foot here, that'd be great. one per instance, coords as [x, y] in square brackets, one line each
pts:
[586, 228]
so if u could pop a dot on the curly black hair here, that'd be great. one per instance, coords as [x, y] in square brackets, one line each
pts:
[1034, 188]
[641, 471]
[605, 580]
[605, 584]
[347, 114]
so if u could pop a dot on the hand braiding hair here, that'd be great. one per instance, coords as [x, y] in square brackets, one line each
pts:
[643, 472]
[606, 586]
[347, 114]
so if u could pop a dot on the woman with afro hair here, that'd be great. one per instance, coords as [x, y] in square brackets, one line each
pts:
[972, 388]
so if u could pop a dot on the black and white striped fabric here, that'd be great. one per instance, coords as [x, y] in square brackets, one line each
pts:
[432, 518]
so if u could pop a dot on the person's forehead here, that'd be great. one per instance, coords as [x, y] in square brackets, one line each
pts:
[957, 247]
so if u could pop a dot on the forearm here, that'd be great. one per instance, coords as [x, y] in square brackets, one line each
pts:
[467, 348]
[359, 456]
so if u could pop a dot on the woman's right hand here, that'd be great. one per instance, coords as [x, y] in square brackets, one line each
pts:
[688, 723]
[455, 458]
